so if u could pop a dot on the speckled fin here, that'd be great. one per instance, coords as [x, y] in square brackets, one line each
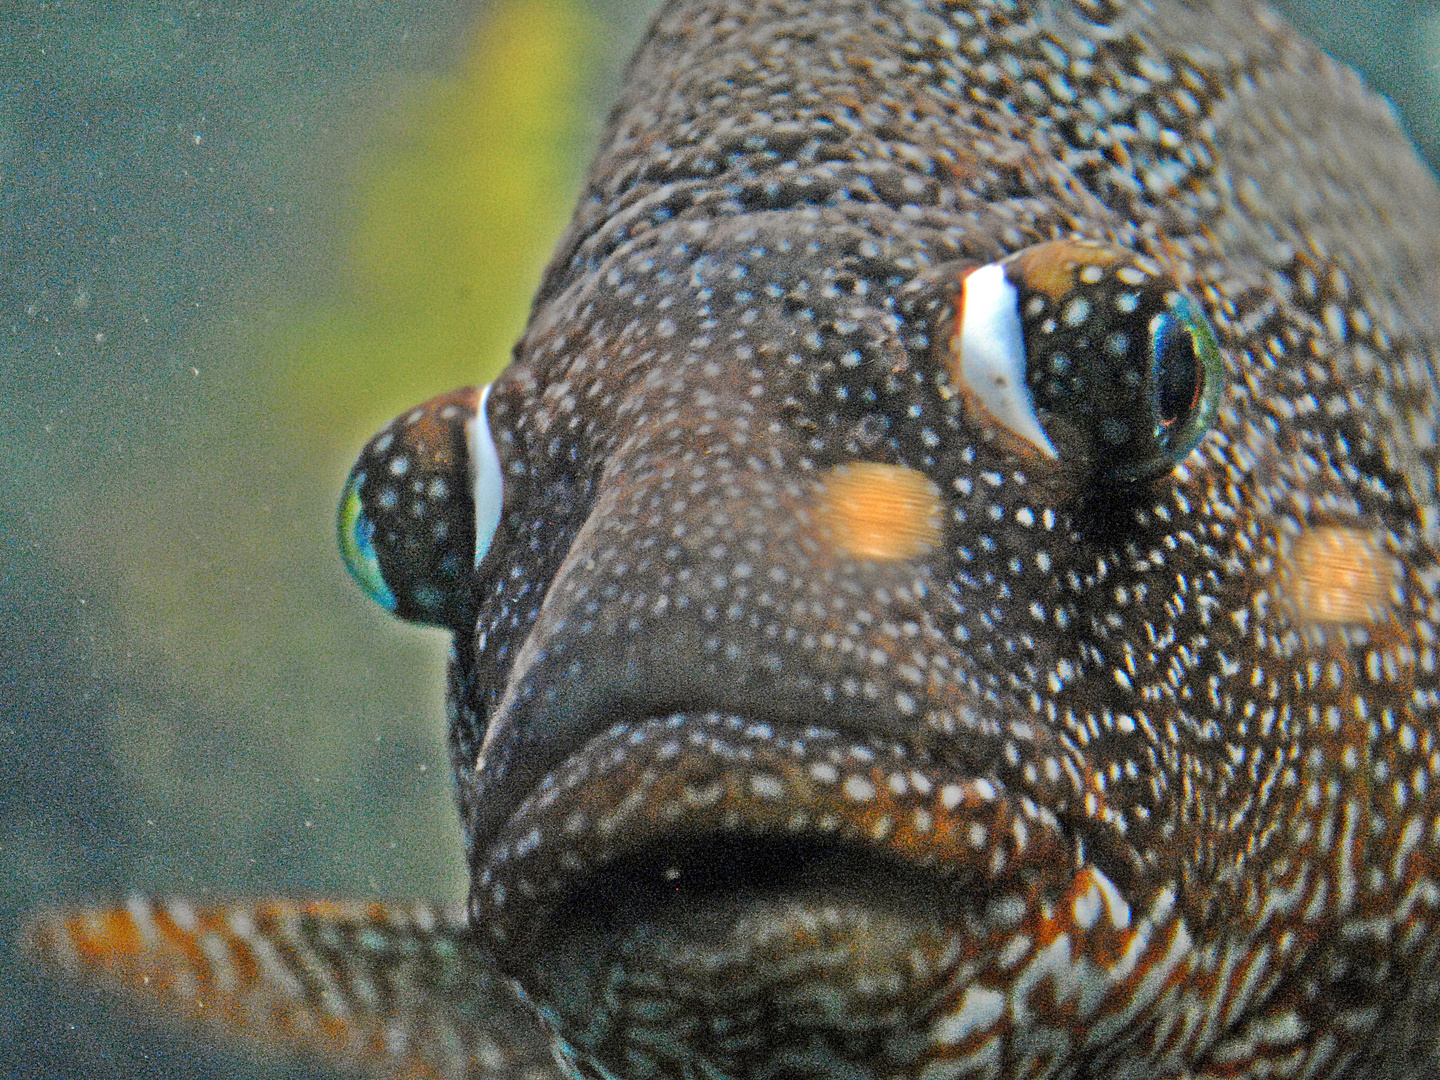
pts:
[378, 989]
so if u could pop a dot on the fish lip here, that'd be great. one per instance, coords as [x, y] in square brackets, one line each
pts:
[720, 775]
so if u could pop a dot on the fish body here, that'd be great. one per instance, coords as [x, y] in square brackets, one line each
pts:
[962, 601]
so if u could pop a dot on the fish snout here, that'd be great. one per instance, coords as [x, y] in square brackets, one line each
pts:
[739, 813]
[725, 578]
[768, 786]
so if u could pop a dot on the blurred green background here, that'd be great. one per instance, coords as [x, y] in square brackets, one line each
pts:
[235, 239]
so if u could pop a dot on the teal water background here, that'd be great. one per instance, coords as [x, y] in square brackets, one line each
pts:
[207, 256]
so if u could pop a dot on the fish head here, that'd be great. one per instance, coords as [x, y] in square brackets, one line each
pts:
[975, 635]
[947, 588]
[798, 715]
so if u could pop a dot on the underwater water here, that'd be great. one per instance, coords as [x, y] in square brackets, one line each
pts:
[235, 239]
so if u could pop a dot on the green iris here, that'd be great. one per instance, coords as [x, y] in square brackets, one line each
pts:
[357, 534]
[1186, 373]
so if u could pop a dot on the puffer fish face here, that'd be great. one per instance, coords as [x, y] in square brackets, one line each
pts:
[962, 601]
[947, 587]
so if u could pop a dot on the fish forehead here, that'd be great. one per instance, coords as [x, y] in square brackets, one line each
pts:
[726, 322]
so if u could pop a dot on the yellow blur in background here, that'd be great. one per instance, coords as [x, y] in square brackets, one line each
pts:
[293, 735]
[458, 211]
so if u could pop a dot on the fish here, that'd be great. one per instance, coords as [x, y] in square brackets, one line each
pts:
[945, 589]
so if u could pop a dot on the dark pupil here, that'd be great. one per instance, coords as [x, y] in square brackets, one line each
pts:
[1177, 374]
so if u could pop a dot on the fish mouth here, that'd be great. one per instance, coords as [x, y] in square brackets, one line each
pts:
[706, 892]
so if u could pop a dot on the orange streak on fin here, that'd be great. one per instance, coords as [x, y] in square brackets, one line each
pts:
[388, 989]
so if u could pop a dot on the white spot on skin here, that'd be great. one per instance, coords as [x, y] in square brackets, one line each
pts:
[1087, 907]
[1077, 311]
[143, 919]
[182, 914]
[705, 796]
[1116, 906]
[859, 789]
[1015, 950]
[980, 1008]
[767, 787]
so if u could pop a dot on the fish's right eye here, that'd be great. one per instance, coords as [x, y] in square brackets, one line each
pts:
[420, 509]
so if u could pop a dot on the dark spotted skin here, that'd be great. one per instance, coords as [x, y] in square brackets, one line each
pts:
[744, 303]
[812, 724]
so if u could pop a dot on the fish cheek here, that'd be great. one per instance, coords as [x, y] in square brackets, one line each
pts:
[550, 493]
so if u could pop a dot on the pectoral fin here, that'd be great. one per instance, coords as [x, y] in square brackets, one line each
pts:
[381, 989]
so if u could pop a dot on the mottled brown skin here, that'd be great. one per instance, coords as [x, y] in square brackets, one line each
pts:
[814, 721]
[750, 297]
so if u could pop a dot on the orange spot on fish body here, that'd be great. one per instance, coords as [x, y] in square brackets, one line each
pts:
[869, 510]
[1051, 267]
[1337, 574]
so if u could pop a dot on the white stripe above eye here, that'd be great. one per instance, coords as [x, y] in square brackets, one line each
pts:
[487, 483]
[991, 348]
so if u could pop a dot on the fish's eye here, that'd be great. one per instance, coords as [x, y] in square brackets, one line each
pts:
[1086, 355]
[1176, 372]
[357, 542]
[1185, 375]
[421, 507]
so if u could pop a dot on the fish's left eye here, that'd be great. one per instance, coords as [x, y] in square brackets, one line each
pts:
[421, 507]
[1086, 355]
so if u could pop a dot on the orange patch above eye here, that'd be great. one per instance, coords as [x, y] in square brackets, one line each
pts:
[884, 512]
[1340, 575]
[1051, 267]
